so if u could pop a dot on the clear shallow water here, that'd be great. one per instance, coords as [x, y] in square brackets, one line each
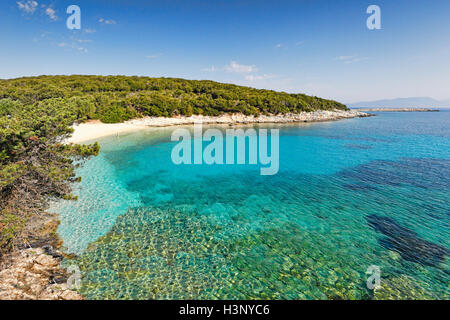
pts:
[349, 194]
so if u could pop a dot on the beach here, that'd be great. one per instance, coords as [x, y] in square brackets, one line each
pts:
[96, 129]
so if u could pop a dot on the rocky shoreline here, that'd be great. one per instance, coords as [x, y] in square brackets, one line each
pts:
[35, 274]
[95, 129]
[237, 118]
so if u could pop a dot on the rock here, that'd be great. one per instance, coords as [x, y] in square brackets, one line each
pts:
[401, 288]
[50, 251]
[31, 275]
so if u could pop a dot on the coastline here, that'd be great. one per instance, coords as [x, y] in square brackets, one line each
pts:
[30, 272]
[96, 129]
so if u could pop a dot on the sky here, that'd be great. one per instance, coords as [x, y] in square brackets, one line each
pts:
[317, 47]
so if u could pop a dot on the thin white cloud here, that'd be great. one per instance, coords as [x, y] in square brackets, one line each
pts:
[344, 58]
[351, 59]
[358, 60]
[210, 69]
[240, 68]
[251, 77]
[106, 21]
[28, 7]
[278, 45]
[154, 56]
[89, 30]
[233, 67]
[51, 13]
[74, 44]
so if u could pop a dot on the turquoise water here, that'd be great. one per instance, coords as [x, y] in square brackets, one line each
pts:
[348, 195]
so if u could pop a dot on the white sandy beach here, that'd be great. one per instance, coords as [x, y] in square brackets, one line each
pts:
[95, 129]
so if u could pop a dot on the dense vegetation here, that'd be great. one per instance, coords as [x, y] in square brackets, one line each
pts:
[36, 113]
[34, 166]
[119, 98]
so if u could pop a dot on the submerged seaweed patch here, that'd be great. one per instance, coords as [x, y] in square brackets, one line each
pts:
[406, 242]
[155, 253]
[402, 287]
[422, 173]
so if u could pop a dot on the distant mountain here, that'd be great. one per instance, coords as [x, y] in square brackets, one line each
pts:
[415, 102]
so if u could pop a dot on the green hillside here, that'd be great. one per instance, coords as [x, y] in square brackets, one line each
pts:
[119, 98]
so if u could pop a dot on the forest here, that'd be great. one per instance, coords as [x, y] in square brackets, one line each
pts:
[119, 98]
[36, 114]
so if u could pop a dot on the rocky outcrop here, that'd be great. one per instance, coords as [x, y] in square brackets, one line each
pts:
[239, 118]
[35, 274]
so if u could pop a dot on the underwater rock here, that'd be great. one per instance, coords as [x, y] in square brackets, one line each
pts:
[401, 288]
[406, 242]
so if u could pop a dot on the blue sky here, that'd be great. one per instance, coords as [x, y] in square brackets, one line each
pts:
[316, 47]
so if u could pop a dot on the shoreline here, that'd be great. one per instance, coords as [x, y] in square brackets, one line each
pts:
[96, 129]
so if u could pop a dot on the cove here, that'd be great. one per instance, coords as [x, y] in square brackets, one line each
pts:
[145, 228]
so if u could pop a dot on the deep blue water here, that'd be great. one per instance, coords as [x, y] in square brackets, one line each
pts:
[348, 195]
